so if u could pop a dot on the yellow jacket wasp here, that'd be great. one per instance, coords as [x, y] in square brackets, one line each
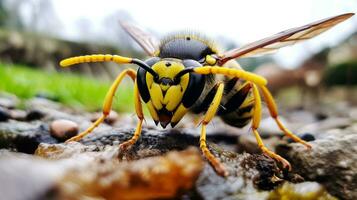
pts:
[187, 72]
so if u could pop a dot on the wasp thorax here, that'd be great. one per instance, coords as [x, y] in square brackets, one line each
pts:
[165, 92]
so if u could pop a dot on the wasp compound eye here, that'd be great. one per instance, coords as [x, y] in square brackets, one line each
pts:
[152, 61]
[191, 63]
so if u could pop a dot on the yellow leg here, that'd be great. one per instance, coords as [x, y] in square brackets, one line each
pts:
[107, 103]
[139, 113]
[254, 78]
[218, 166]
[274, 113]
[255, 125]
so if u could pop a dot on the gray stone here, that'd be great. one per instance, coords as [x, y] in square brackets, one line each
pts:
[18, 114]
[4, 114]
[23, 136]
[8, 100]
[332, 161]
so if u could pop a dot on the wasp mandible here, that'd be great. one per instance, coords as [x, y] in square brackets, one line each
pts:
[189, 73]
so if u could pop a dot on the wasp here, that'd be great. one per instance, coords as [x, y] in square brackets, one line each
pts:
[189, 73]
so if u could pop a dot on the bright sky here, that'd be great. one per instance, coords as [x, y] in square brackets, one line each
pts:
[242, 21]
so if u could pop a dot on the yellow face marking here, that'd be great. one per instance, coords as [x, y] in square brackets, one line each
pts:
[165, 93]
[173, 97]
[179, 113]
[155, 91]
[152, 111]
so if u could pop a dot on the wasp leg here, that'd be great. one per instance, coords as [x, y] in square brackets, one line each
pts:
[107, 103]
[248, 76]
[255, 125]
[218, 166]
[274, 114]
[140, 114]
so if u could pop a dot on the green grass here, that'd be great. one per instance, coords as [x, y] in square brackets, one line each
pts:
[72, 90]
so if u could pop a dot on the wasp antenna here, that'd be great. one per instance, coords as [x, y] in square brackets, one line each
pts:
[95, 58]
[146, 67]
[107, 58]
[183, 72]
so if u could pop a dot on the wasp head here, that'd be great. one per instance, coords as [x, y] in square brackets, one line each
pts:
[166, 91]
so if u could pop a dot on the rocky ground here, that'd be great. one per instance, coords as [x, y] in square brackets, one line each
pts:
[166, 164]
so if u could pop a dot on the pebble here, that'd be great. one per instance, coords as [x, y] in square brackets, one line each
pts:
[4, 114]
[18, 114]
[8, 100]
[63, 129]
[47, 96]
[308, 137]
[110, 119]
[7, 103]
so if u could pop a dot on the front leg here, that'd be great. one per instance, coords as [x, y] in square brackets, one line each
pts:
[139, 112]
[107, 104]
[216, 164]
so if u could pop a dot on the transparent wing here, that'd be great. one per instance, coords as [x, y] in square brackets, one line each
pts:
[284, 38]
[145, 40]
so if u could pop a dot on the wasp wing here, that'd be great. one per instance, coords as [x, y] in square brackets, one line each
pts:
[145, 40]
[284, 38]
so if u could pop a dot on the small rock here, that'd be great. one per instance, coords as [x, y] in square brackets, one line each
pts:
[323, 125]
[8, 100]
[63, 129]
[34, 115]
[306, 190]
[47, 96]
[7, 103]
[43, 103]
[161, 177]
[306, 136]
[18, 114]
[353, 114]
[332, 161]
[4, 114]
[110, 119]
[23, 136]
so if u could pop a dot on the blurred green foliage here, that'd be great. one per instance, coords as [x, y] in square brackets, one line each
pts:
[72, 90]
[341, 74]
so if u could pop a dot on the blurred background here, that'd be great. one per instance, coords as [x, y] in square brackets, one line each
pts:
[36, 34]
